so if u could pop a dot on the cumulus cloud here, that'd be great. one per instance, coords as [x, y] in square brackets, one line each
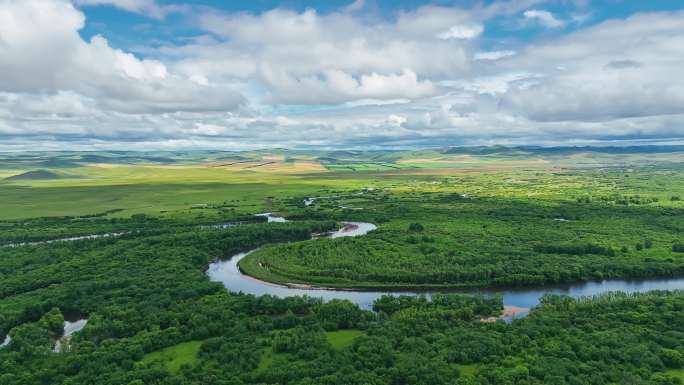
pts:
[493, 55]
[545, 18]
[335, 86]
[420, 77]
[302, 55]
[462, 32]
[34, 31]
[617, 69]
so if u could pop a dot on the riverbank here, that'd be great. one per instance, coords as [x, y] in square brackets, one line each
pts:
[236, 276]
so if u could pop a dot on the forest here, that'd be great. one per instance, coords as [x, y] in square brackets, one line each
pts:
[438, 239]
[149, 305]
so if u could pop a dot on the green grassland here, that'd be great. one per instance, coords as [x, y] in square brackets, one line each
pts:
[340, 339]
[173, 357]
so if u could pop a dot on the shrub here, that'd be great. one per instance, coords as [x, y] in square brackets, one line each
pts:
[416, 227]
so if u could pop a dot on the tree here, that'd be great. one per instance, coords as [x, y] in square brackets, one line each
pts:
[672, 358]
[416, 227]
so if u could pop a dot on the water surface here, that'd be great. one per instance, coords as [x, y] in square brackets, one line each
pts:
[69, 329]
[520, 299]
[6, 342]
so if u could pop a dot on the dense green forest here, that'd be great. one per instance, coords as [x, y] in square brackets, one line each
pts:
[437, 239]
[154, 318]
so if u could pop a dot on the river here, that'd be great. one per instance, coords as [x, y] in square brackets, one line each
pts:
[69, 329]
[518, 301]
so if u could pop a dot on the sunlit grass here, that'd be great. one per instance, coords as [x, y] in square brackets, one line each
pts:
[340, 339]
[173, 357]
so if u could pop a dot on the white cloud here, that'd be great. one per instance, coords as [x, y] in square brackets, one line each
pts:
[304, 55]
[144, 7]
[493, 55]
[545, 18]
[335, 86]
[356, 6]
[462, 32]
[617, 69]
[337, 79]
[42, 52]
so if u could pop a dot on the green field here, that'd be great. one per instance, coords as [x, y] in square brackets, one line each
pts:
[173, 357]
[342, 338]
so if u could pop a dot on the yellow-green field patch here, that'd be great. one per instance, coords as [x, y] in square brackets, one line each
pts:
[467, 370]
[340, 339]
[677, 373]
[173, 357]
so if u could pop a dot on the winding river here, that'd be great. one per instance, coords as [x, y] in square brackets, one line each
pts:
[516, 301]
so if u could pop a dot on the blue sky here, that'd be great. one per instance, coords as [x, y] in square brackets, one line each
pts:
[129, 30]
[145, 74]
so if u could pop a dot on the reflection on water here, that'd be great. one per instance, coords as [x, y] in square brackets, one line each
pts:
[69, 329]
[272, 218]
[6, 342]
[228, 273]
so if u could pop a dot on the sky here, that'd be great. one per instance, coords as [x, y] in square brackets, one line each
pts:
[365, 74]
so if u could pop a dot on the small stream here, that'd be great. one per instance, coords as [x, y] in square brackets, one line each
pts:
[69, 239]
[69, 329]
[6, 341]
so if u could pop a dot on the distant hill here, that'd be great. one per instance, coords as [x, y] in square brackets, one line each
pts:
[604, 150]
[535, 150]
[36, 175]
[483, 150]
[58, 163]
[127, 158]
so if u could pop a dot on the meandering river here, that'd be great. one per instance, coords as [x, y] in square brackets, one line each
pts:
[517, 301]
